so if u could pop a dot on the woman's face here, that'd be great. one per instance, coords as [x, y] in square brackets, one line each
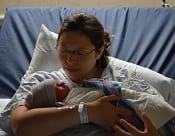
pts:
[77, 55]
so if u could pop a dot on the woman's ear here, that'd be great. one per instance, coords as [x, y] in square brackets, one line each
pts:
[100, 52]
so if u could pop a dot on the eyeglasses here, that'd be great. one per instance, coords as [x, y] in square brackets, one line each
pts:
[79, 53]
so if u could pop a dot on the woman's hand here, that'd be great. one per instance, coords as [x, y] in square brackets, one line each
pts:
[103, 113]
[150, 129]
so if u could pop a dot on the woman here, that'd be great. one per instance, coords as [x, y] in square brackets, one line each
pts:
[82, 52]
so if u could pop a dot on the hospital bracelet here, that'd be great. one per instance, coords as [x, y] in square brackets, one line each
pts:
[82, 109]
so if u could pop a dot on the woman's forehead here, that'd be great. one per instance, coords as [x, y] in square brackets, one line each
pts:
[74, 37]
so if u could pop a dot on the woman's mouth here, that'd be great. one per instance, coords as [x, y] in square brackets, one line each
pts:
[72, 69]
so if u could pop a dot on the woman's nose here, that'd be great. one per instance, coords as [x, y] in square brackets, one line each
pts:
[72, 58]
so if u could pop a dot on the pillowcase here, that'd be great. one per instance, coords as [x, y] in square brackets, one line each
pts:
[164, 85]
[45, 59]
[45, 53]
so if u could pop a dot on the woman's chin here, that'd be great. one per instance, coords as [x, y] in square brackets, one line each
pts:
[76, 80]
[75, 77]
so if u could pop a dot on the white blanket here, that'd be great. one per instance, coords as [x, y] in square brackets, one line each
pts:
[157, 109]
[3, 103]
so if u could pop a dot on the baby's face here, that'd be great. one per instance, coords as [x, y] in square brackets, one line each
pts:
[60, 86]
[61, 90]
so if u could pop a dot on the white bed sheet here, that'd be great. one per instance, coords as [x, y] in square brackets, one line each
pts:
[3, 103]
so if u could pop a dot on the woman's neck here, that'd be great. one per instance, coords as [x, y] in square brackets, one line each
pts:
[95, 73]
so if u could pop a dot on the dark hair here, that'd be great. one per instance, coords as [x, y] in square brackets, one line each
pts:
[88, 129]
[93, 29]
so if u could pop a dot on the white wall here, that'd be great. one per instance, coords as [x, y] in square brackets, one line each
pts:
[81, 3]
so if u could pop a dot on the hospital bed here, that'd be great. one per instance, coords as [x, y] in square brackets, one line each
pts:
[140, 35]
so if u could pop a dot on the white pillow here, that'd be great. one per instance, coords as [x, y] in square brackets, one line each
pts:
[45, 59]
[164, 85]
[45, 54]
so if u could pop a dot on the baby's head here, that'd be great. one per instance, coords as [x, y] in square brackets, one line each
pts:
[46, 94]
[59, 88]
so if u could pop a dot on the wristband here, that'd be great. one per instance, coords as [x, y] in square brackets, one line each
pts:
[82, 109]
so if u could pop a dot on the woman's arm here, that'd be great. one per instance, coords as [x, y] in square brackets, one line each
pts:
[46, 121]
[42, 121]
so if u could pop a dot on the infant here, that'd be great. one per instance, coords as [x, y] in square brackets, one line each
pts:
[50, 93]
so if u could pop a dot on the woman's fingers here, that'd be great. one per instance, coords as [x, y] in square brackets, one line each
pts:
[120, 131]
[130, 128]
[150, 127]
[147, 121]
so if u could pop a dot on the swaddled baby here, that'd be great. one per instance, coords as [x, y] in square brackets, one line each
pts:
[51, 93]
